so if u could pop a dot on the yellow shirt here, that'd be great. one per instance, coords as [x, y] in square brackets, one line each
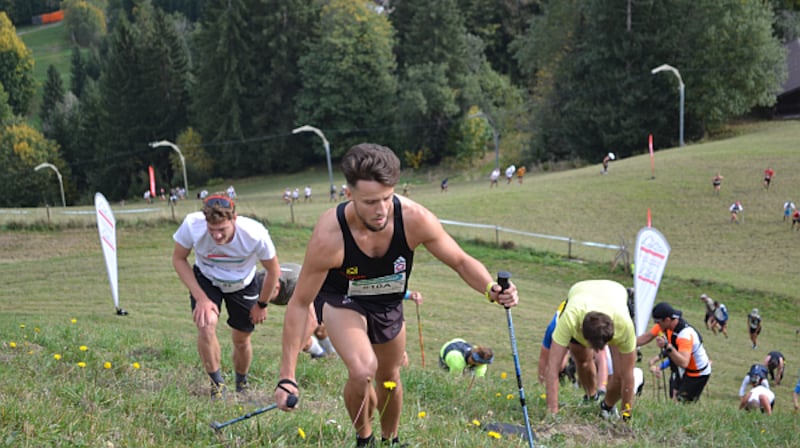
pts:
[604, 296]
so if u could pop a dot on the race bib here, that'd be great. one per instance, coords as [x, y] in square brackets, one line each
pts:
[389, 284]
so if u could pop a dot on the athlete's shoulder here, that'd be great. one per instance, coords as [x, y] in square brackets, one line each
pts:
[249, 225]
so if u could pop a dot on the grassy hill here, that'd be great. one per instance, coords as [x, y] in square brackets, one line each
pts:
[55, 276]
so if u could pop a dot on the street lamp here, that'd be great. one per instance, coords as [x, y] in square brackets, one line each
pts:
[494, 135]
[308, 128]
[674, 70]
[180, 155]
[60, 182]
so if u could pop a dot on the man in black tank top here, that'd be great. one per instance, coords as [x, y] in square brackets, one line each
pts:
[359, 261]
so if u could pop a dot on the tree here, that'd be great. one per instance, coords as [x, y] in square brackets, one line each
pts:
[219, 94]
[593, 90]
[16, 68]
[143, 97]
[63, 126]
[22, 149]
[78, 72]
[426, 105]
[5, 109]
[53, 93]
[198, 162]
[279, 32]
[497, 23]
[435, 32]
[120, 91]
[85, 22]
[348, 74]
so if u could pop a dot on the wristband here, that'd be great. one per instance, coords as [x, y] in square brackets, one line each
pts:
[286, 381]
[489, 287]
[407, 296]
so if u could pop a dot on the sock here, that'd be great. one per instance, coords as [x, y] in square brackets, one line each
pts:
[241, 378]
[216, 377]
[315, 349]
[364, 441]
[327, 345]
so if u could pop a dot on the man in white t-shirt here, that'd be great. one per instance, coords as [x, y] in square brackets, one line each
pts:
[227, 248]
[510, 173]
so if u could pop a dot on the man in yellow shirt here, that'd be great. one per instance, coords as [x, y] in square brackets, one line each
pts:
[596, 314]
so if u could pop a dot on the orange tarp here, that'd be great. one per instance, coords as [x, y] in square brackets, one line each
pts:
[52, 17]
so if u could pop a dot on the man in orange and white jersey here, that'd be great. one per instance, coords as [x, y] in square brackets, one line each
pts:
[683, 345]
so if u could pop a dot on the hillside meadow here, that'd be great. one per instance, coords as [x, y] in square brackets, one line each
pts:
[142, 383]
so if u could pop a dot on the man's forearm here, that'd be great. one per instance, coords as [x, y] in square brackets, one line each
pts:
[294, 327]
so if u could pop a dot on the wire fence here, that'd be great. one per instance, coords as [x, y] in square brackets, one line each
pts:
[570, 247]
[553, 243]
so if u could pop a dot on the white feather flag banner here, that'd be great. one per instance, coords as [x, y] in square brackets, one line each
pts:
[652, 252]
[107, 227]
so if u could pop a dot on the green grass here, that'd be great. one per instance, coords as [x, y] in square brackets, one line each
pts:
[54, 273]
[49, 45]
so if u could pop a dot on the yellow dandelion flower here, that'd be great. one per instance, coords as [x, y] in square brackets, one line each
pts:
[763, 431]
[390, 385]
[509, 396]
[36, 329]
[136, 365]
[301, 433]
[22, 326]
[74, 321]
[503, 375]
[106, 365]
[476, 423]
[494, 435]
[81, 364]
[421, 414]
[543, 396]
[498, 394]
[83, 348]
[56, 356]
[12, 344]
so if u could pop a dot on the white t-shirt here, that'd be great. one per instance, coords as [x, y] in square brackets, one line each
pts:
[758, 391]
[510, 170]
[230, 266]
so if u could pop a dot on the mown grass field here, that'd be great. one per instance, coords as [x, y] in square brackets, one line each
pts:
[49, 45]
[54, 275]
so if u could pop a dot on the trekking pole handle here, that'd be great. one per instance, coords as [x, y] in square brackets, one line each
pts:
[502, 280]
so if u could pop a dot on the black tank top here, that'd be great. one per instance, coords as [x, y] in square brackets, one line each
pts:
[376, 283]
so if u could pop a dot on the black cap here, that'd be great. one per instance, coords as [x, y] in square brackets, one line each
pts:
[664, 309]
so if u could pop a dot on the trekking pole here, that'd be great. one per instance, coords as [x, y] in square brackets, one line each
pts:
[502, 280]
[421, 344]
[291, 401]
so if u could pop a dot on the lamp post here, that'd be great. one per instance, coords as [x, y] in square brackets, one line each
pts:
[60, 181]
[495, 136]
[666, 67]
[180, 155]
[308, 128]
